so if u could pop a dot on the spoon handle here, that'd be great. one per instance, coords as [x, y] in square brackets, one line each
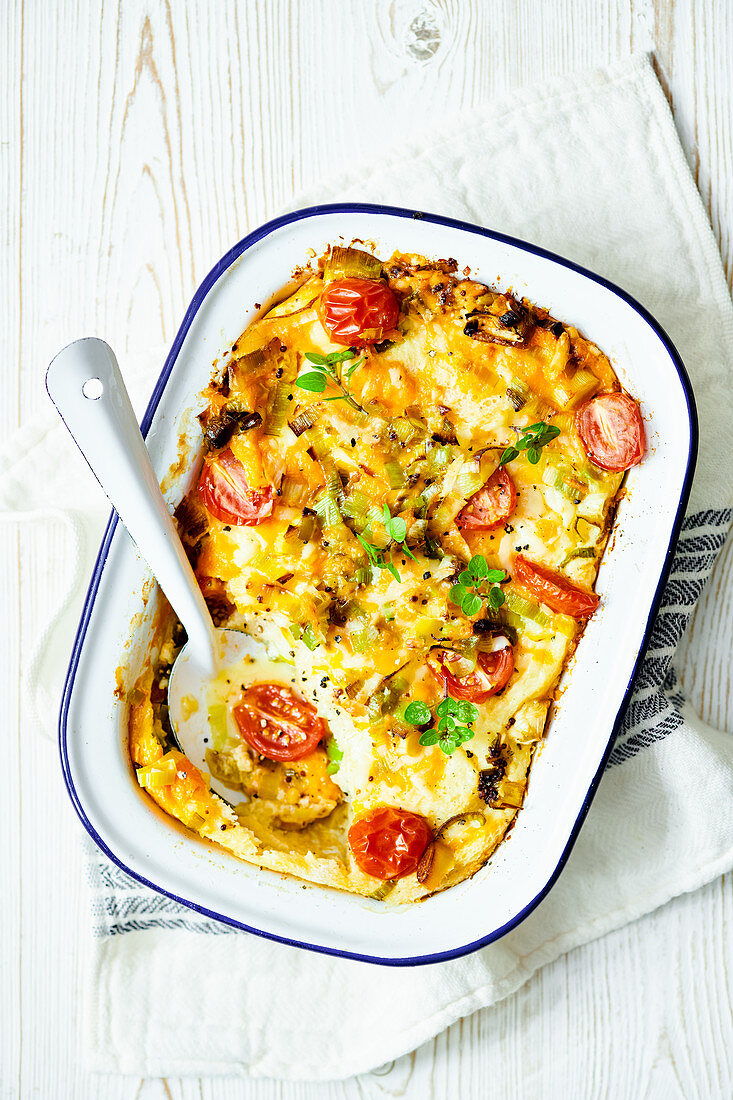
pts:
[86, 386]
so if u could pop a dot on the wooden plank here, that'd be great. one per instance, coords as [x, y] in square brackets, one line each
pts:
[12, 1034]
[154, 136]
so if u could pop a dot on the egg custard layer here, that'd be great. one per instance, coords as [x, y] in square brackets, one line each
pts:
[406, 491]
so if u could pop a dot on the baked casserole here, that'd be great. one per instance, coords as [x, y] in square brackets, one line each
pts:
[408, 484]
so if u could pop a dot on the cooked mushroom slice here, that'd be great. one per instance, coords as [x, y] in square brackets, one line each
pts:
[193, 520]
[233, 417]
[220, 429]
[245, 420]
[497, 791]
[214, 593]
[510, 328]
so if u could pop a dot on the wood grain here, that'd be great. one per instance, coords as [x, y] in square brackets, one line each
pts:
[11, 187]
[138, 140]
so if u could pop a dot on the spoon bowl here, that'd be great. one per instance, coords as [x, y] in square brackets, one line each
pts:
[86, 386]
[190, 699]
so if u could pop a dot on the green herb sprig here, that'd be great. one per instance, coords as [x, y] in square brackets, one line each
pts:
[328, 368]
[454, 721]
[532, 440]
[378, 559]
[396, 529]
[477, 576]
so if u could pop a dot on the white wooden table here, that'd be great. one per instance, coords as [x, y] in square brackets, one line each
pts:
[138, 140]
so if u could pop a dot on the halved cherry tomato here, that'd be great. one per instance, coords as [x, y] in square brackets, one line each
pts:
[554, 590]
[224, 490]
[277, 723]
[357, 312]
[612, 431]
[491, 505]
[388, 843]
[491, 674]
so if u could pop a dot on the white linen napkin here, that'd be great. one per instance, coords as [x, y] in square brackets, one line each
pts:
[590, 167]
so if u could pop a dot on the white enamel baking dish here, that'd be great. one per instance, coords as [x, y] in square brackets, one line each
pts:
[93, 721]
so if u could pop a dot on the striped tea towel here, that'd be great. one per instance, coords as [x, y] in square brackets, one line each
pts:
[589, 167]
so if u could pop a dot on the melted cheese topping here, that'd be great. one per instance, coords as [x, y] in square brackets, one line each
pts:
[427, 416]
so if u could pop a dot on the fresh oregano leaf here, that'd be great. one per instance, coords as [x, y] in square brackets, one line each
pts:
[456, 594]
[417, 713]
[316, 383]
[478, 568]
[496, 598]
[496, 576]
[508, 455]
[467, 712]
[471, 604]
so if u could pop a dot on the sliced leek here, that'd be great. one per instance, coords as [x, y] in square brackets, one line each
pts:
[439, 457]
[525, 608]
[307, 527]
[363, 637]
[569, 392]
[518, 393]
[293, 492]
[510, 795]
[252, 362]
[360, 510]
[469, 480]
[422, 503]
[303, 297]
[326, 507]
[579, 552]
[383, 891]
[218, 726]
[560, 474]
[302, 422]
[405, 430]
[395, 474]
[308, 637]
[161, 773]
[384, 701]
[279, 404]
[351, 263]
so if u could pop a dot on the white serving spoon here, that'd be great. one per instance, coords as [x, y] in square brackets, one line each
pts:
[86, 386]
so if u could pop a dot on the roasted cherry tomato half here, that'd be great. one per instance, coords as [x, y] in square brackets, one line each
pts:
[491, 674]
[388, 843]
[491, 505]
[357, 312]
[612, 431]
[553, 589]
[277, 723]
[224, 490]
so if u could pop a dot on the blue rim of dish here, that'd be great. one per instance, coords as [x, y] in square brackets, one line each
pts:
[201, 293]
